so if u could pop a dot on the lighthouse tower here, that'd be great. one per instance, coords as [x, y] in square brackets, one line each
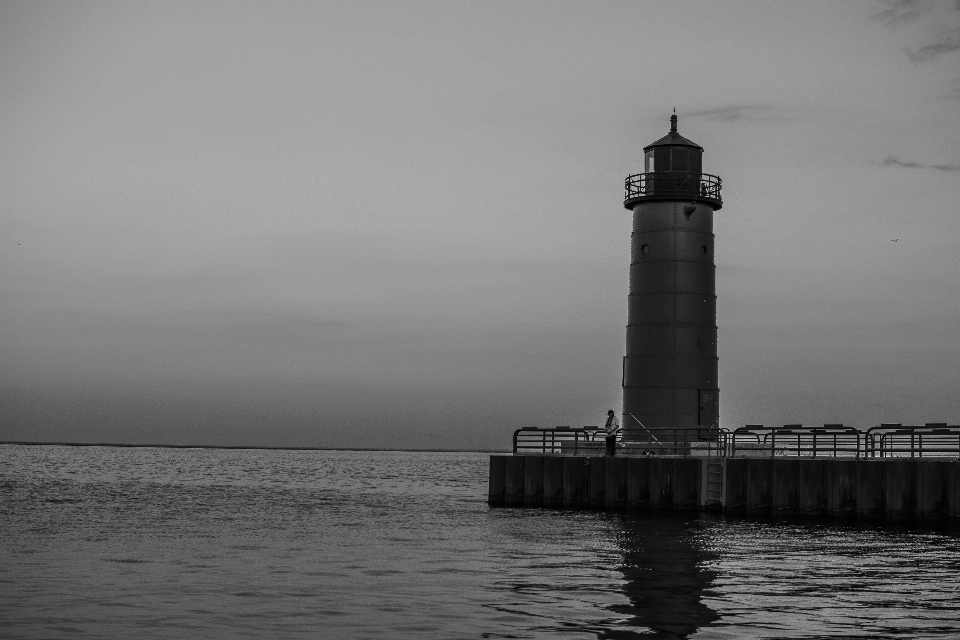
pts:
[670, 389]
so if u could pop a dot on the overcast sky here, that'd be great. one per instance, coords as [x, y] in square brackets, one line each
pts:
[401, 224]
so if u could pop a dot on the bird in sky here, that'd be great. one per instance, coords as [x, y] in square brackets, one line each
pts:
[895, 239]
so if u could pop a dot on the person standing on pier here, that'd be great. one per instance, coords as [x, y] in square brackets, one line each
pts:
[612, 427]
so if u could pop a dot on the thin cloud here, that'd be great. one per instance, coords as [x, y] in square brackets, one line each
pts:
[896, 12]
[733, 113]
[906, 164]
[940, 24]
[945, 42]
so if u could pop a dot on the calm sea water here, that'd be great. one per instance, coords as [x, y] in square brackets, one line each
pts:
[201, 543]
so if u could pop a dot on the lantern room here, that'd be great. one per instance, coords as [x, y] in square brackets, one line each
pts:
[673, 168]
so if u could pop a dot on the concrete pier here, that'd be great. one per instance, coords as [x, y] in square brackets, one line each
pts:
[892, 489]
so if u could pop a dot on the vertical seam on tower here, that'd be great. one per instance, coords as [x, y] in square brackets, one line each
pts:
[673, 328]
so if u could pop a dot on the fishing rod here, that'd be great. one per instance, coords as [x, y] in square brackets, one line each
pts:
[645, 429]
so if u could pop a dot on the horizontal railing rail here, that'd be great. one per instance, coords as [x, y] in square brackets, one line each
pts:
[701, 440]
[836, 441]
[933, 440]
[672, 183]
[830, 440]
[555, 440]
[793, 440]
[747, 436]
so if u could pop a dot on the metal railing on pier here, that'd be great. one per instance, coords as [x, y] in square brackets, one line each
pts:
[700, 441]
[938, 440]
[933, 440]
[836, 441]
[556, 440]
[830, 440]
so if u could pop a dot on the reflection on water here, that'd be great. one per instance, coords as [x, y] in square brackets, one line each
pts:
[604, 575]
[708, 576]
[677, 575]
[665, 577]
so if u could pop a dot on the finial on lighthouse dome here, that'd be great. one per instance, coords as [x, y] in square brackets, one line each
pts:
[673, 122]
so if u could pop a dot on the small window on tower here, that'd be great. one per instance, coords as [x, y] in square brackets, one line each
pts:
[645, 249]
[649, 162]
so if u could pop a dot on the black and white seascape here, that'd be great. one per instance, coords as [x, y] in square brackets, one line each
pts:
[180, 543]
[273, 274]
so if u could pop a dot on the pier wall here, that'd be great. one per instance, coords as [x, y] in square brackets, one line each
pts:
[893, 489]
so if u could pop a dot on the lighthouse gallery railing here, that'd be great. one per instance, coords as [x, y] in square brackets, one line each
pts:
[672, 184]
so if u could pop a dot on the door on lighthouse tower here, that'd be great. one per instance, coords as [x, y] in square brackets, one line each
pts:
[708, 410]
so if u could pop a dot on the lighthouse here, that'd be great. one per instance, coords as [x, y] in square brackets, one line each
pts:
[670, 387]
[675, 455]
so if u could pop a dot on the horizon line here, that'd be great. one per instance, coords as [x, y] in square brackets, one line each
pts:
[234, 446]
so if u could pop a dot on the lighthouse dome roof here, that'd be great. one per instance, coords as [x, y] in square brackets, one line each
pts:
[673, 139]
